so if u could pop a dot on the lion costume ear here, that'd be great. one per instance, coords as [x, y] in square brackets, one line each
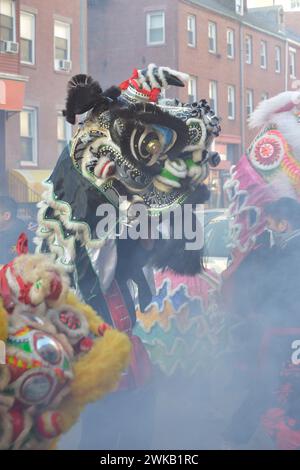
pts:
[84, 94]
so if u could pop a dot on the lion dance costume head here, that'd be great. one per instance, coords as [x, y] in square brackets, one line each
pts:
[60, 355]
[269, 170]
[133, 144]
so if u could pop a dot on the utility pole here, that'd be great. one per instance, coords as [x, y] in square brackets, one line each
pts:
[83, 36]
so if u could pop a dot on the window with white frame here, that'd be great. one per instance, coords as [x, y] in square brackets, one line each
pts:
[191, 30]
[292, 63]
[192, 89]
[212, 37]
[239, 7]
[277, 59]
[27, 37]
[7, 20]
[231, 102]
[263, 54]
[248, 49]
[64, 133]
[28, 135]
[62, 42]
[230, 43]
[249, 102]
[155, 28]
[295, 4]
[213, 95]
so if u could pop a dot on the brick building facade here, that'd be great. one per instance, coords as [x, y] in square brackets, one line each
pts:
[42, 45]
[236, 57]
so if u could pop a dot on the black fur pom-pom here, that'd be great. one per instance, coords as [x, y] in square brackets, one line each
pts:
[83, 94]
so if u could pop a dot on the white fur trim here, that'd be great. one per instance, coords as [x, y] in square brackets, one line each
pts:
[167, 182]
[266, 109]
[177, 168]
[151, 76]
[50, 230]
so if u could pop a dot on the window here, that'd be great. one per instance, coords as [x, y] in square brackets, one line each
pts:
[249, 102]
[191, 29]
[248, 49]
[230, 43]
[28, 131]
[232, 153]
[292, 63]
[239, 7]
[263, 54]
[27, 37]
[264, 96]
[231, 102]
[64, 133]
[62, 41]
[213, 96]
[7, 20]
[295, 4]
[212, 37]
[277, 59]
[192, 89]
[155, 28]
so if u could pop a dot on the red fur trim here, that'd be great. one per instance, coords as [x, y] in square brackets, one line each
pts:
[154, 95]
[124, 85]
[102, 328]
[22, 244]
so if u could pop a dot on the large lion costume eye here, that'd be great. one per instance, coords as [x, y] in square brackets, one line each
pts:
[151, 143]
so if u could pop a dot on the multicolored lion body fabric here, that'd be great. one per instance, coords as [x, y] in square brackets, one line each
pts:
[182, 327]
[60, 355]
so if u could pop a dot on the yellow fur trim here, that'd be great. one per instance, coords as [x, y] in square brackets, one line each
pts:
[98, 372]
[3, 322]
[38, 270]
[70, 412]
[93, 319]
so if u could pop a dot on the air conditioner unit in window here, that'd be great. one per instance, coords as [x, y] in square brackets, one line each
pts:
[65, 65]
[11, 47]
